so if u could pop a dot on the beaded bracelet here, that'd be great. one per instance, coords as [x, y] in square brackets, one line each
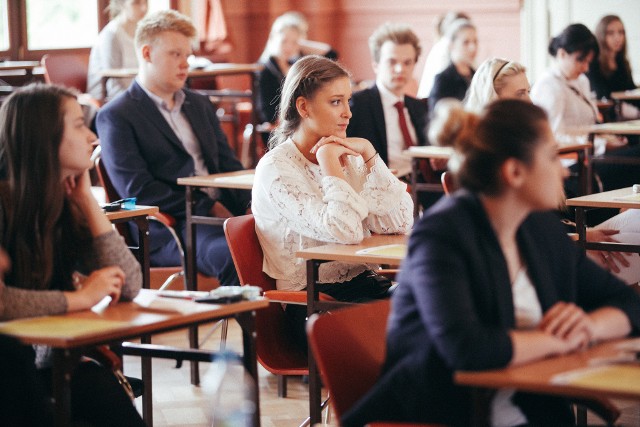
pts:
[367, 161]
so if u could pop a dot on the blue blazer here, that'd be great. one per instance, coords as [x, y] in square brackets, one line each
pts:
[144, 157]
[367, 119]
[453, 310]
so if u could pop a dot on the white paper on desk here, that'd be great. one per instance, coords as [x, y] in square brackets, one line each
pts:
[631, 274]
[149, 299]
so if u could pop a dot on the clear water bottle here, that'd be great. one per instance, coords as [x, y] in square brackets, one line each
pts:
[232, 389]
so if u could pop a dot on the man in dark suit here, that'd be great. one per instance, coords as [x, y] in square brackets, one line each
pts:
[157, 132]
[376, 113]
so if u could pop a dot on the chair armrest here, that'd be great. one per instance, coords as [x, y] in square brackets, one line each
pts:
[292, 297]
[603, 408]
[164, 218]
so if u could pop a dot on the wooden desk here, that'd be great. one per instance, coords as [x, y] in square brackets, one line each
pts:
[546, 376]
[26, 66]
[419, 153]
[618, 199]
[344, 253]
[69, 334]
[631, 127]
[139, 215]
[242, 180]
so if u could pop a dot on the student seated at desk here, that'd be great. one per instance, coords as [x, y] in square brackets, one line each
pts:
[316, 186]
[65, 255]
[492, 280]
[158, 131]
[115, 47]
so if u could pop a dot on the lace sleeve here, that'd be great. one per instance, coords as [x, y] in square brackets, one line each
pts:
[389, 204]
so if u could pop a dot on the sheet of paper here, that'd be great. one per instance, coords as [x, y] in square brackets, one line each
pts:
[151, 300]
[397, 250]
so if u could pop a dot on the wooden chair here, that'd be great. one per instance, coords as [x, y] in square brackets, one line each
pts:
[275, 349]
[349, 347]
[69, 69]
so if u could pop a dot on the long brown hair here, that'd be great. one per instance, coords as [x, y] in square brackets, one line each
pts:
[601, 36]
[42, 231]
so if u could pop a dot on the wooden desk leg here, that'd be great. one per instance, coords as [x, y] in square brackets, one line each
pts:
[143, 250]
[247, 322]
[589, 167]
[63, 363]
[190, 271]
[145, 362]
[414, 182]
[315, 390]
[253, 142]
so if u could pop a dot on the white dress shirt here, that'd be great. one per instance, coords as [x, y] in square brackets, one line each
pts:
[395, 140]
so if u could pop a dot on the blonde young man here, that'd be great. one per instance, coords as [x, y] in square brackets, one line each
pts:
[158, 131]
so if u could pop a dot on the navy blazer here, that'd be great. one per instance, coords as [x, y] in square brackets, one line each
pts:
[144, 157]
[453, 310]
[367, 119]
[448, 84]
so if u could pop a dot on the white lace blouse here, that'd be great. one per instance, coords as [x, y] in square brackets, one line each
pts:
[296, 207]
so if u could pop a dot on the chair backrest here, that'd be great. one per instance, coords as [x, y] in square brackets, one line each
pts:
[246, 251]
[276, 349]
[69, 69]
[349, 347]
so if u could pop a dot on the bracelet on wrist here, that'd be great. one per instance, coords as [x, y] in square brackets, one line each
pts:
[369, 159]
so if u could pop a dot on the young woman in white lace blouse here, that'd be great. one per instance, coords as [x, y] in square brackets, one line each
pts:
[317, 186]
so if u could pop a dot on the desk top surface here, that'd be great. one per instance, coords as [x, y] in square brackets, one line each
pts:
[18, 65]
[630, 127]
[242, 180]
[379, 249]
[581, 374]
[139, 210]
[626, 95]
[123, 321]
[621, 198]
[212, 70]
[435, 152]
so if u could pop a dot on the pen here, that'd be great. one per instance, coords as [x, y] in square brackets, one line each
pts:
[176, 296]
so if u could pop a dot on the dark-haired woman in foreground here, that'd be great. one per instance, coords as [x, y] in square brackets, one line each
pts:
[491, 280]
[65, 255]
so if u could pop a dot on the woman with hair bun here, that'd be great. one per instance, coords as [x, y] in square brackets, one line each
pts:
[491, 280]
[565, 94]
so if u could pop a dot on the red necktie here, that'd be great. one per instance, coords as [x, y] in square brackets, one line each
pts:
[402, 120]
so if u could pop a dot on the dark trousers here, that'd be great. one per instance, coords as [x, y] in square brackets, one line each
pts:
[212, 253]
[23, 401]
[365, 287]
[97, 399]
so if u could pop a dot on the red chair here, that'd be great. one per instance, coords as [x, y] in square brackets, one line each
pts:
[349, 347]
[275, 349]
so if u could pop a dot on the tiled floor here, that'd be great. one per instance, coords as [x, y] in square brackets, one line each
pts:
[177, 403]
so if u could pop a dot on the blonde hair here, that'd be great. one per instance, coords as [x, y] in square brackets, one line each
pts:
[488, 81]
[308, 75]
[162, 21]
[482, 143]
[395, 33]
[288, 20]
